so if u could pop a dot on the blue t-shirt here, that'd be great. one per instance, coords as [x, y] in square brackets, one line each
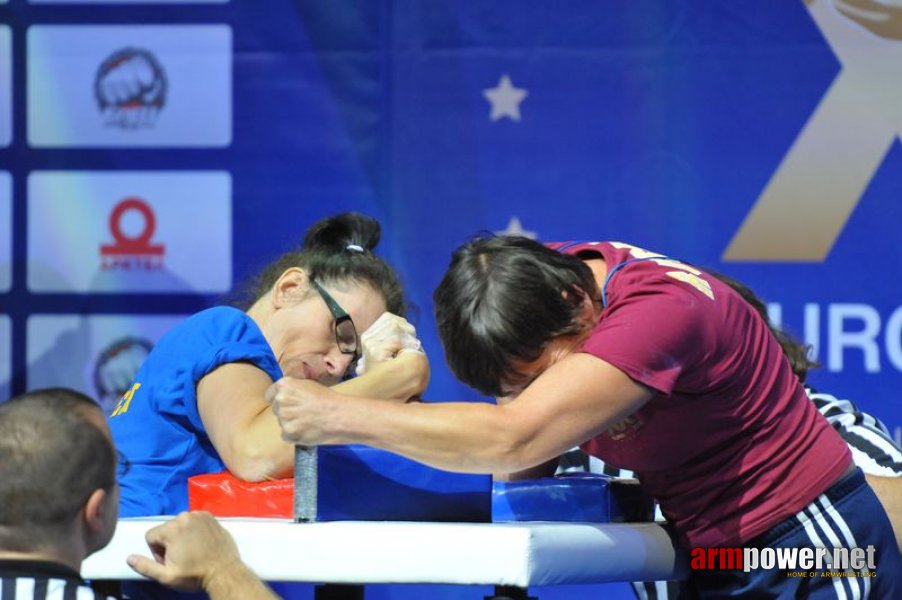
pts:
[156, 425]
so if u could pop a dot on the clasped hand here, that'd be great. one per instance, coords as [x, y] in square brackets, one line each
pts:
[387, 337]
[309, 412]
[183, 556]
[302, 408]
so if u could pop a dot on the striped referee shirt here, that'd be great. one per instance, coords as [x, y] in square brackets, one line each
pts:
[872, 446]
[42, 580]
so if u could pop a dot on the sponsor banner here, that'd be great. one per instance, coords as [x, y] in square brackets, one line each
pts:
[5, 356]
[6, 232]
[129, 231]
[97, 355]
[129, 85]
[860, 107]
[6, 86]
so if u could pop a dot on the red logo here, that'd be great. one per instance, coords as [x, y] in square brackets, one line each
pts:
[132, 253]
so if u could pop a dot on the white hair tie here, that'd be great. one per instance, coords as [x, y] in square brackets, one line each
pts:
[354, 248]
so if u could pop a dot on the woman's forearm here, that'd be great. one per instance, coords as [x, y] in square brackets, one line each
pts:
[403, 377]
[559, 410]
[457, 436]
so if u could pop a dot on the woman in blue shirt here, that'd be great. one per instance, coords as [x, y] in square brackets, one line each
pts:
[197, 403]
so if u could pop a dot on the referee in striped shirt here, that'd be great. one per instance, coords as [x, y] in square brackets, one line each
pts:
[58, 493]
[59, 502]
[872, 446]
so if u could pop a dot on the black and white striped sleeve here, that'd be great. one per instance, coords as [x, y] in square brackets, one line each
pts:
[577, 461]
[44, 588]
[872, 446]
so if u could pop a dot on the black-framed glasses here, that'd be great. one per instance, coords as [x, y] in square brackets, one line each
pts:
[345, 332]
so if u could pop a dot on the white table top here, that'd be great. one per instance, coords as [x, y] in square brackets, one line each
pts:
[354, 552]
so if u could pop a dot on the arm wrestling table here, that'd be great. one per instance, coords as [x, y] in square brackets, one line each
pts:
[512, 556]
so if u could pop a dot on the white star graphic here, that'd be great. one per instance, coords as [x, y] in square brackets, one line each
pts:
[515, 227]
[505, 99]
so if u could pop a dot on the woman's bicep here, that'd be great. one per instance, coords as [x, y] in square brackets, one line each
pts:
[573, 401]
[239, 422]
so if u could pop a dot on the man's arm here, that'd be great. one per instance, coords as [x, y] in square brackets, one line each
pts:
[889, 492]
[193, 552]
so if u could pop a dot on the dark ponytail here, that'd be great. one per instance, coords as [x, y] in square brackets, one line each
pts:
[343, 230]
[336, 250]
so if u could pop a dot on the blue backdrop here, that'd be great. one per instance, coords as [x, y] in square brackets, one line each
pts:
[758, 138]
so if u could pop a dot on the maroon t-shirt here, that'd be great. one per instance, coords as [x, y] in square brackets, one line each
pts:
[729, 445]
